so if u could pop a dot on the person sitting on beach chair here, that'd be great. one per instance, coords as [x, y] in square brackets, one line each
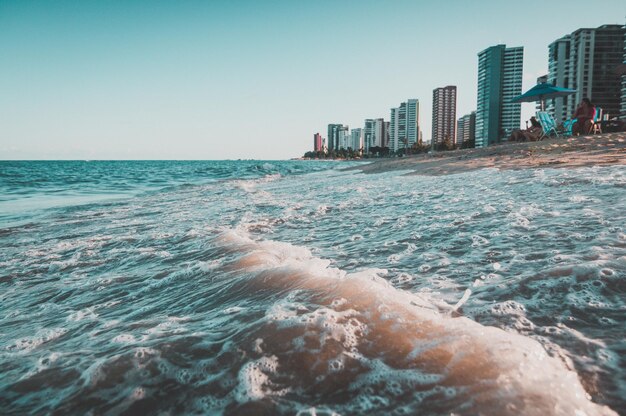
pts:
[530, 134]
[583, 115]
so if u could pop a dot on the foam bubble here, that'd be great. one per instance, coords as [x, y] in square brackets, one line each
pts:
[504, 370]
[254, 382]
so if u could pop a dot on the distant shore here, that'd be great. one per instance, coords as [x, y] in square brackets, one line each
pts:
[597, 150]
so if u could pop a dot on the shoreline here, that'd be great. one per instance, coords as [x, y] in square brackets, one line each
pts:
[572, 152]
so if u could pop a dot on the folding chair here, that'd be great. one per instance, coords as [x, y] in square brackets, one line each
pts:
[596, 123]
[548, 125]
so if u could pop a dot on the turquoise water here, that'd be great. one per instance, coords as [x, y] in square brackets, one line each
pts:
[246, 287]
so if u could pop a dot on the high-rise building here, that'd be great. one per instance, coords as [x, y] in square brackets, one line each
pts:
[386, 134]
[343, 137]
[559, 74]
[586, 61]
[608, 53]
[333, 136]
[499, 81]
[374, 133]
[317, 142]
[404, 128]
[356, 141]
[412, 121]
[444, 115]
[623, 71]
[393, 130]
[465, 129]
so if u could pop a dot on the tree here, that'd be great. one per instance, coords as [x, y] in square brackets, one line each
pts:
[468, 144]
[405, 141]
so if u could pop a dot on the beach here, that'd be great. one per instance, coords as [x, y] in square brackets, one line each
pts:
[596, 150]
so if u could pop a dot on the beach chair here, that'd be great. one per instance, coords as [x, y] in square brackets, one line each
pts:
[596, 123]
[548, 125]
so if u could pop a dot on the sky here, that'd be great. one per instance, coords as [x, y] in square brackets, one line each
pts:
[241, 79]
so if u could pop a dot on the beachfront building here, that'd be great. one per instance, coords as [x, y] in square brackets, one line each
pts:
[386, 125]
[465, 130]
[343, 138]
[404, 128]
[587, 61]
[623, 72]
[374, 133]
[499, 81]
[444, 115]
[333, 136]
[559, 75]
[338, 137]
[394, 125]
[412, 121]
[356, 139]
[317, 142]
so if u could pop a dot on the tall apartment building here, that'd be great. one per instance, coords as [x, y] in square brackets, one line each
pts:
[412, 121]
[404, 128]
[499, 81]
[587, 61]
[356, 139]
[444, 115]
[336, 136]
[333, 136]
[374, 133]
[559, 75]
[343, 138]
[386, 134]
[623, 71]
[466, 129]
[317, 143]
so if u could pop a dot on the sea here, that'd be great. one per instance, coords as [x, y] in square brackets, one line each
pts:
[310, 288]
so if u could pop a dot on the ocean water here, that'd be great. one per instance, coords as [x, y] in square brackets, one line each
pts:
[298, 287]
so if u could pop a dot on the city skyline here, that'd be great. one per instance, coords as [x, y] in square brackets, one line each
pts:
[84, 80]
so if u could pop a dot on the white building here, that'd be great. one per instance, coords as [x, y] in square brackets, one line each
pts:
[356, 142]
[404, 128]
[344, 137]
[374, 133]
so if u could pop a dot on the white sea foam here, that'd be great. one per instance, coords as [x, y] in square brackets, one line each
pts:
[29, 343]
[506, 372]
[254, 382]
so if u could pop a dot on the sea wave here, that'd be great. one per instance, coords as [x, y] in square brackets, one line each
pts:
[357, 328]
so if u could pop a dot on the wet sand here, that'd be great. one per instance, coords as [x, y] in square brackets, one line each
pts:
[597, 150]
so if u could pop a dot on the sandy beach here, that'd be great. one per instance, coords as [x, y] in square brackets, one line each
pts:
[595, 150]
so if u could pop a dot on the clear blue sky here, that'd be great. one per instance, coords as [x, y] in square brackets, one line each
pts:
[246, 79]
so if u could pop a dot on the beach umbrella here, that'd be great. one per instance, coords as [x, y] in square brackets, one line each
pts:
[542, 92]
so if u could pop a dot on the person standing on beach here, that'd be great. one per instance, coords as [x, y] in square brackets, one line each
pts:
[584, 116]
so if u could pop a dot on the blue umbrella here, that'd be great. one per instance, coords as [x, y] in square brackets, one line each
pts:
[542, 92]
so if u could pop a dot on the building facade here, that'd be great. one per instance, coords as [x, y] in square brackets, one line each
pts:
[404, 127]
[317, 143]
[623, 71]
[412, 121]
[343, 138]
[444, 115]
[373, 133]
[356, 139]
[499, 81]
[466, 130]
[587, 61]
[606, 82]
[332, 139]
